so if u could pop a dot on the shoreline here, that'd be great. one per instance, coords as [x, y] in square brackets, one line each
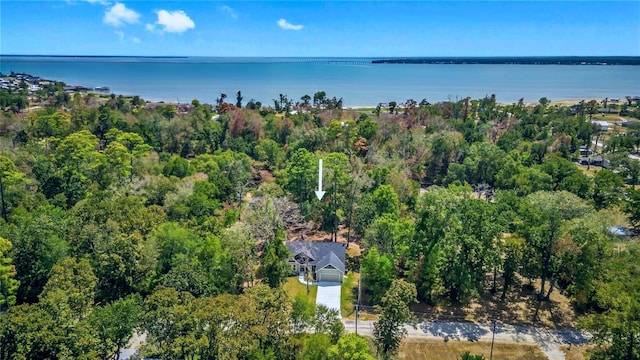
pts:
[557, 102]
[36, 82]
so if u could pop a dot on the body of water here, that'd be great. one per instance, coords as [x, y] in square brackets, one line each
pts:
[357, 81]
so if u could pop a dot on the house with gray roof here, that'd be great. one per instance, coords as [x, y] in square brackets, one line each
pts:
[325, 261]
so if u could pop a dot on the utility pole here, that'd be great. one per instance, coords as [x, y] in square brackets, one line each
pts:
[358, 302]
[493, 336]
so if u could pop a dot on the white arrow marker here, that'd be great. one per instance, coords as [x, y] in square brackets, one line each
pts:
[320, 193]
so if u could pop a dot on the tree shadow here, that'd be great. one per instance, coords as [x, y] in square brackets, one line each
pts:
[456, 331]
[572, 336]
[517, 308]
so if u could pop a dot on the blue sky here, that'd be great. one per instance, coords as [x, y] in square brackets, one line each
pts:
[314, 28]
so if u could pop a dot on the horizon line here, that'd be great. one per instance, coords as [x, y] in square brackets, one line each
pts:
[315, 57]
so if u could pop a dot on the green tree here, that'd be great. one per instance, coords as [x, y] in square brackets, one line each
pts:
[190, 276]
[39, 243]
[10, 180]
[178, 167]
[316, 347]
[66, 303]
[434, 209]
[302, 311]
[350, 347]
[394, 312]
[78, 163]
[616, 330]
[124, 264]
[214, 317]
[584, 251]
[512, 248]
[391, 234]
[336, 202]
[114, 323]
[169, 318]
[632, 207]
[29, 332]
[377, 275]
[392, 106]
[454, 245]
[386, 201]
[577, 183]
[531, 180]
[119, 161]
[544, 215]
[559, 169]
[270, 152]
[483, 162]
[273, 266]
[608, 188]
[302, 173]
[444, 149]
[8, 283]
[261, 326]
[45, 123]
[135, 146]
[74, 280]
[176, 244]
[327, 321]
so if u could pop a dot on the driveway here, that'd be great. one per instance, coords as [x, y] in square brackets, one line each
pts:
[329, 295]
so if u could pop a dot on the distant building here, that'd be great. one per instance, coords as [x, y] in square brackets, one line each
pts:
[607, 110]
[597, 160]
[584, 151]
[604, 126]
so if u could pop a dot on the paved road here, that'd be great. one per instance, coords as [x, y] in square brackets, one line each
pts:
[548, 340]
[329, 295]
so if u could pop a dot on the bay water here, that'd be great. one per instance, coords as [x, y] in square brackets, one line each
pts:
[357, 81]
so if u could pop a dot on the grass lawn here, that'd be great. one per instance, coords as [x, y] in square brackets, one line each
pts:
[349, 294]
[293, 287]
[451, 350]
[592, 170]
[349, 297]
[576, 352]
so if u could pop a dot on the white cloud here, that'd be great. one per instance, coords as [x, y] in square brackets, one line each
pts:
[229, 11]
[285, 25]
[119, 15]
[135, 40]
[173, 21]
[101, 2]
[119, 34]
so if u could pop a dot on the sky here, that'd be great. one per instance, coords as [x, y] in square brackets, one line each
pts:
[319, 28]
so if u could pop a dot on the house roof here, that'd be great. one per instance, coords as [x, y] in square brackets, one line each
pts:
[330, 259]
[321, 254]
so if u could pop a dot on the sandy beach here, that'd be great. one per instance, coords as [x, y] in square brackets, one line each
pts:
[569, 102]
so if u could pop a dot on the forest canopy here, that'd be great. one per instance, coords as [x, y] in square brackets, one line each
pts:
[119, 214]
